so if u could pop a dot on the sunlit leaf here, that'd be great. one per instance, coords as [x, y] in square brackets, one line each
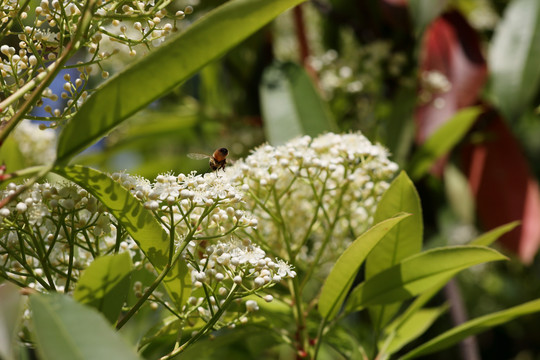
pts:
[473, 327]
[105, 284]
[66, 330]
[340, 279]
[411, 329]
[417, 274]
[290, 104]
[491, 236]
[165, 68]
[404, 240]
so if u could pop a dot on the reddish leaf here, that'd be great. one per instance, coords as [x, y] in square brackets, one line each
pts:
[503, 186]
[450, 47]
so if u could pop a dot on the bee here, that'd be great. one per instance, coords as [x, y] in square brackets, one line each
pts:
[218, 160]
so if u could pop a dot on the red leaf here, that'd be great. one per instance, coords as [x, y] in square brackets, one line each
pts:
[450, 47]
[504, 188]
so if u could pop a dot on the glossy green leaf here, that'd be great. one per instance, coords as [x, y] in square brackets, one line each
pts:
[417, 274]
[290, 104]
[165, 68]
[416, 325]
[404, 240]
[491, 236]
[473, 327]
[11, 308]
[66, 330]
[442, 141]
[105, 284]
[341, 276]
[138, 221]
[513, 58]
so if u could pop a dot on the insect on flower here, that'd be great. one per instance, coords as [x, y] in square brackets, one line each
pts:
[218, 160]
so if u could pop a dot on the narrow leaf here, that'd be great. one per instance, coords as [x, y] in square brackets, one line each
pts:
[290, 104]
[442, 141]
[138, 221]
[473, 327]
[105, 284]
[404, 240]
[417, 274]
[11, 309]
[513, 58]
[165, 68]
[341, 276]
[491, 236]
[67, 330]
[415, 326]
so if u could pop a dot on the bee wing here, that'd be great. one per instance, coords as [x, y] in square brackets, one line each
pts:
[198, 156]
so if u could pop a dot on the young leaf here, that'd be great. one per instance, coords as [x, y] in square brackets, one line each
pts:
[442, 141]
[11, 309]
[417, 274]
[341, 276]
[473, 327]
[104, 285]
[290, 104]
[513, 58]
[67, 330]
[165, 68]
[404, 240]
[138, 221]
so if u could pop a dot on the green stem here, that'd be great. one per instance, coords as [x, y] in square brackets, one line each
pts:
[152, 287]
[208, 326]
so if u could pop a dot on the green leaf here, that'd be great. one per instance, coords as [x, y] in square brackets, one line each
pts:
[417, 274]
[459, 194]
[11, 308]
[424, 11]
[473, 327]
[491, 236]
[65, 329]
[513, 58]
[404, 240]
[442, 141]
[11, 156]
[165, 68]
[138, 221]
[290, 104]
[104, 285]
[415, 326]
[341, 276]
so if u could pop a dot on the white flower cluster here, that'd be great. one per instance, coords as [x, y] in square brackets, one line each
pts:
[38, 146]
[51, 233]
[43, 36]
[234, 262]
[309, 190]
[202, 206]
